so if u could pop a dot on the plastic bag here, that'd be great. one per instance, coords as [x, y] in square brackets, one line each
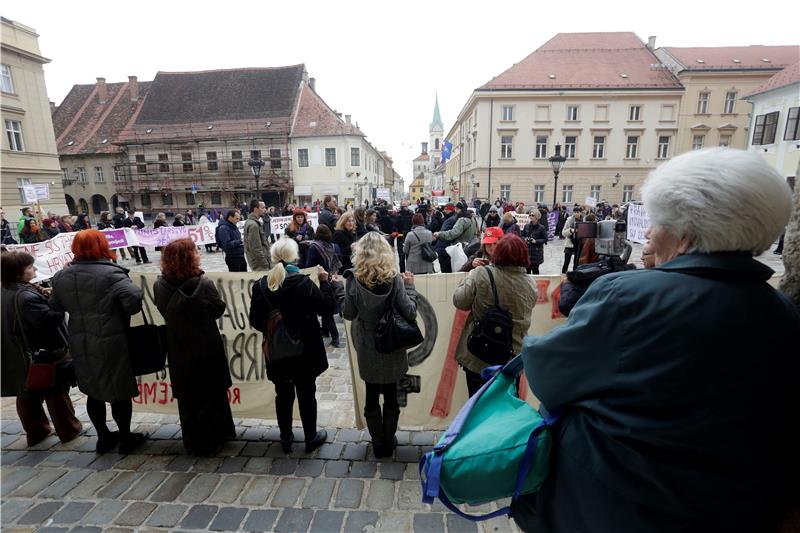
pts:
[457, 256]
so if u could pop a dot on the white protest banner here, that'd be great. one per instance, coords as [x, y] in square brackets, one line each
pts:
[30, 194]
[384, 193]
[202, 234]
[591, 201]
[638, 223]
[278, 224]
[42, 191]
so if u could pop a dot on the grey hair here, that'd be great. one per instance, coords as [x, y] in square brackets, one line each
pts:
[703, 194]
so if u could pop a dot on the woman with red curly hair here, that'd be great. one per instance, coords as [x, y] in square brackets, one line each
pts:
[516, 291]
[100, 299]
[198, 368]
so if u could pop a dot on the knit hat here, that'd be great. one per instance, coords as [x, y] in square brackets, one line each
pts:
[449, 207]
[462, 206]
[493, 209]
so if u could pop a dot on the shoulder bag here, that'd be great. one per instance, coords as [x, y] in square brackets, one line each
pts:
[426, 250]
[394, 332]
[491, 336]
[147, 348]
[280, 345]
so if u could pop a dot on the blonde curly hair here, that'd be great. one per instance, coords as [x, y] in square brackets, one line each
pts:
[373, 260]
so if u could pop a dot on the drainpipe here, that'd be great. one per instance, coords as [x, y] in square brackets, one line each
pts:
[491, 125]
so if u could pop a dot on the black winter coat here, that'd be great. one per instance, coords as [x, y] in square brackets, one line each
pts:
[229, 238]
[327, 217]
[345, 240]
[535, 236]
[492, 220]
[404, 221]
[436, 222]
[300, 302]
[196, 354]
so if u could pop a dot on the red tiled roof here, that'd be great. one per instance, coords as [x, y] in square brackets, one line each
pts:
[722, 57]
[314, 117]
[82, 123]
[423, 157]
[787, 76]
[587, 61]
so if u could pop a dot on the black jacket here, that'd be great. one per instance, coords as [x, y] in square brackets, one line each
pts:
[404, 221]
[119, 221]
[300, 302]
[229, 239]
[535, 236]
[136, 221]
[436, 222]
[385, 222]
[327, 217]
[491, 220]
[345, 240]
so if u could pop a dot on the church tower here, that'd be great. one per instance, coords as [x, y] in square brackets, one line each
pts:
[437, 137]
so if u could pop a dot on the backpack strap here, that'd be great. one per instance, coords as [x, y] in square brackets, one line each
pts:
[494, 287]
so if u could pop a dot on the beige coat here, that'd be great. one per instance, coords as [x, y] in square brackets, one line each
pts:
[516, 291]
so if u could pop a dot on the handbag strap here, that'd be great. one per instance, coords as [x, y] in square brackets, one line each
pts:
[494, 287]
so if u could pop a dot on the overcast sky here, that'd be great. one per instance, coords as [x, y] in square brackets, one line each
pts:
[381, 62]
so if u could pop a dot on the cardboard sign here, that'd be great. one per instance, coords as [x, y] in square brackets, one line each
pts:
[30, 194]
[638, 223]
[384, 193]
[591, 201]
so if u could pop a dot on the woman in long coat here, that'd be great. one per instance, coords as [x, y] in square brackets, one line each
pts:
[373, 284]
[100, 299]
[344, 237]
[300, 302]
[535, 235]
[412, 246]
[198, 368]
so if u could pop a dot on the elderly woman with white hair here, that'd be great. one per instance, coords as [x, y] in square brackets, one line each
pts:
[682, 417]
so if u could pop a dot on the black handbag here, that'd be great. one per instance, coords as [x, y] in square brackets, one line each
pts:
[280, 346]
[491, 339]
[426, 250]
[147, 348]
[394, 332]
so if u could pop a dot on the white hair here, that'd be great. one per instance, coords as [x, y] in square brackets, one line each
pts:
[285, 250]
[705, 195]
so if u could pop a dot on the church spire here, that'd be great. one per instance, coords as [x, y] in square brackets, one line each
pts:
[437, 120]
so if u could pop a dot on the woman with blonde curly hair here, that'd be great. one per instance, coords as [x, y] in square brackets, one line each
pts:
[373, 285]
[345, 235]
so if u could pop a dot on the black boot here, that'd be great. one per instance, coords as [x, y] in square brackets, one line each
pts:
[316, 441]
[375, 427]
[390, 419]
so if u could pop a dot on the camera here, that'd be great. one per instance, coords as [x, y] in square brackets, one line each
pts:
[608, 235]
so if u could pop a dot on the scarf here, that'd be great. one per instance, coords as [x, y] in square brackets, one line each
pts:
[290, 267]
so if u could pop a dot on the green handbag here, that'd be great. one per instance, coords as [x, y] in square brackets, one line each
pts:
[497, 447]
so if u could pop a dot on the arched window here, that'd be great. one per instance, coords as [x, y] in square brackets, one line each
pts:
[436, 144]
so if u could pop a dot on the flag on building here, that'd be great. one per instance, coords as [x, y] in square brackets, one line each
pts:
[447, 148]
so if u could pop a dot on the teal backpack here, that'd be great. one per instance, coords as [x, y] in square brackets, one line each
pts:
[497, 446]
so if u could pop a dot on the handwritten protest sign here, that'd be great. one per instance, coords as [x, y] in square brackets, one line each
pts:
[552, 222]
[278, 224]
[638, 223]
[591, 201]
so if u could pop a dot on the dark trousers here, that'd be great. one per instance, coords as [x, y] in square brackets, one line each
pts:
[382, 426]
[210, 248]
[400, 241]
[329, 325]
[474, 382]
[374, 391]
[306, 400]
[139, 253]
[34, 420]
[444, 261]
[533, 269]
[236, 264]
[121, 412]
[568, 254]
[779, 248]
[122, 253]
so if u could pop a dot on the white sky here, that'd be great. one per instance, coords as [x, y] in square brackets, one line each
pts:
[381, 62]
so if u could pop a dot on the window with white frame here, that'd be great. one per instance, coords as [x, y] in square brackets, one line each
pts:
[542, 113]
[355, 157]
[566, 193]
[274, 158]
[14, 133]
[141, 164]
[538, 193]
[330, 157]
[601, 113]
[98, 175]
[21, 182]
[627, 193]
[698, 141]
[82, 174]
[570, 142]
[211, 161]
[572, 112]
[599, 148]
[635, 113]
[725, 140]
[506, 142]
[730, 102]
[163, 162]
[508, 112]
[595, 192]
[505, 192]
[791, 133]
[186, 157]
[667, 113]
[663, 146]
[118, 175]
[702, 103]
[236, 159]
[6, 81]
[541, 147]
[632, 149]
[302, 157]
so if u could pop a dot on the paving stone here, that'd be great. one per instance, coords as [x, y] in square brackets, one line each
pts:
[105, 461]
[135, 514]
[43, 479]
[319, 493]
[181, 463]
[337, 468]
[200, 488]
[428, 523]
[365, 469]
[409, 496]
[254, 434]
[294, 520]
[407, 454]
[85, 529]
[229, 489]
[166, 515]
[104, 512]
[232, 465]
[12, 426]
[275, 451]
[65, 483]
[283, 467]
[411, 472]
[232, 448]
[355, 452]
[52, 530]
[260, 520]
[327, 521]
[288, 491]
[330, 451]
[119, 484]
[166, 431]
[360, 521]
[33, 458]
[461, 525]
[423, 438]
[39, 513]
[255, 449]
[46, 444]
[228, 519]
[85, 444]
[12, 509]
[9, 442]
[258, 465]
[82, 460]
[403, 437]
[199, 516]
[381, 494]
[145, 487]
[349, 493]
[174, 485]
[394, 521]
[15, 477]
[309, 468]
[72, 512]
[258, 491]
[349, 435]
[207, 464]
[156, 463]
[131, 462]
[392, 471]
[10, 457]
[499, 523]
[58, 458]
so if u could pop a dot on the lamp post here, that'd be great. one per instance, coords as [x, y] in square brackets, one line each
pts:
[255, 168]
[556, 161]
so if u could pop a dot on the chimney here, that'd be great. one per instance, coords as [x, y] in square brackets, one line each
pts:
[102, 91]
[651, 42]
[424, 148]
[347, 118]
[52, 107]
[312, 82]
[133, 85]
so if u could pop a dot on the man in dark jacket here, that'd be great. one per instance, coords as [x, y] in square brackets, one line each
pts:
[386, 224]
[440, 245]
[403, 227]
[328, 214]
[139, 253]
[230, 240]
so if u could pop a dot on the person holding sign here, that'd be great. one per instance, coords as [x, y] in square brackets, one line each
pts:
[301, 231]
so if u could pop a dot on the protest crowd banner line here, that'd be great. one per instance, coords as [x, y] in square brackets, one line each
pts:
[638, 223]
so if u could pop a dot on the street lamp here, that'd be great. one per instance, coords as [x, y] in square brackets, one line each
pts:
[255, 168]
[556, 161]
